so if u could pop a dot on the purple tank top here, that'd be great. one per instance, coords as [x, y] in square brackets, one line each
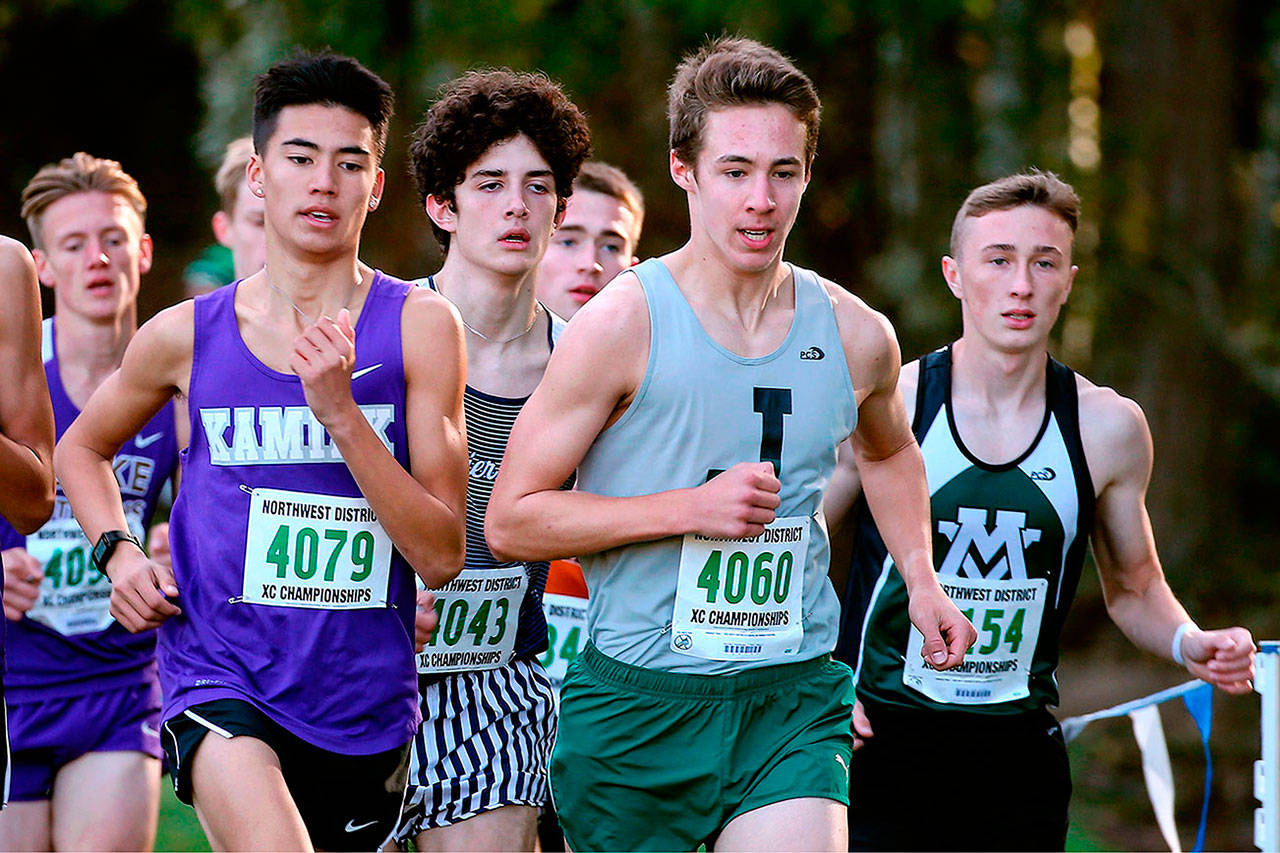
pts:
[293, 598]
[68, 644]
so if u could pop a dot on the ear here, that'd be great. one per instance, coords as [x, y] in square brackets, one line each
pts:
[443, 213]
[379, 184]
[146, 252]
[1071, 281]
[43, 271]
[682, 174]
[221, 227]
[951, 272]
[561, 207]
[253, 174]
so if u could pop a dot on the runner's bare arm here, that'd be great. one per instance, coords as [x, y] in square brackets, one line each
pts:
[837, 507]
[893, 478]
[422, 510]
[596, 368]
[156, 367]
[26, 416]
[1118, 447]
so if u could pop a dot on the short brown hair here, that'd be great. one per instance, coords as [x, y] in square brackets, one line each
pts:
[609, 180]
[483, 108]
[733, 72]
[78, 173]
[1041, 189]
[230, 176]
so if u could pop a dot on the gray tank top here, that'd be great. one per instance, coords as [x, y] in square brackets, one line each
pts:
[700, 410]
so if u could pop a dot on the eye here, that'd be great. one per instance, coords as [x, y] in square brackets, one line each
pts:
[539, 187]
[1046, 264]
[490, 186]
[351, 166]
[566, 242]
[298, 159]
[785, 174]
[612, 248]
[734, 173]
[999, 261]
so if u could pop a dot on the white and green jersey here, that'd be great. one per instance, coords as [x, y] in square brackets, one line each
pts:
[1008, 544]
[693, 605]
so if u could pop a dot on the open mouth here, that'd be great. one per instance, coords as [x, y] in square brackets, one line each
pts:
[518, 238]
[320, 216]
[756, 237]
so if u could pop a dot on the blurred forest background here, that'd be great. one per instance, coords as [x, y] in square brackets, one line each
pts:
[1165, 115]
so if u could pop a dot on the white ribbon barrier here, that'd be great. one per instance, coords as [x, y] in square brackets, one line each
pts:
[1266, 772]
[1149, 732]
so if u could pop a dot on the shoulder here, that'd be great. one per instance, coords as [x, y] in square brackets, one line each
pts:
[1114, 431]
[15, 259]
[425, 310]
[616, 314]
[870, 344]
[163, 345]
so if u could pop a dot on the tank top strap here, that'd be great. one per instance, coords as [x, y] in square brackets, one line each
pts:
[1064, 403]
[933, 389]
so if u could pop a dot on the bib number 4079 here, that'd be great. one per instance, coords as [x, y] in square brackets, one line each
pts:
[306, 552]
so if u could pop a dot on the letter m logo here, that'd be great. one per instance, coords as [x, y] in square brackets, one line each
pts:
[979, 550]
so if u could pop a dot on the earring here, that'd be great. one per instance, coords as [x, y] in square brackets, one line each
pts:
[258, 191]
[373, 204]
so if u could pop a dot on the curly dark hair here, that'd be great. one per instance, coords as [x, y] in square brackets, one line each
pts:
[482, 108]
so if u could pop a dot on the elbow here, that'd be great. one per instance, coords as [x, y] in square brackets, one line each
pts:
[500, 536]
[442, 562]
[33, 507]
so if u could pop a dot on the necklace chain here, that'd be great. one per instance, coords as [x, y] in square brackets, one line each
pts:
[303, 314]
[537, 306]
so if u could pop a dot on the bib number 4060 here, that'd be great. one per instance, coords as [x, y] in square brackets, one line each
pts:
[762, 579]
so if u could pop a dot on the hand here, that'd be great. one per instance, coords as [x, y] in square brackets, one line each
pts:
[323, 357]
[22, 576]
[158, 544]
[140, 589]
[424, 620]
[1224, 658]
[947, 633]
[735, 504]
[861, 725]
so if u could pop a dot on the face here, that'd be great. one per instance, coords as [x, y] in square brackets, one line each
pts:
[1012, 276]
[594, 243]
[94, 254]
[504, 211]
[745, 189]
[243, 231]
[318, 178]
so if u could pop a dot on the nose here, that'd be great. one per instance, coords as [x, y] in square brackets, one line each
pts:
[516, 206]
[589, 258]
[760, 196]
[98, 256]
[1020, 285]
[323, 181]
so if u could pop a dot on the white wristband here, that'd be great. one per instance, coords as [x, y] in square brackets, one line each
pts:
[1176, 649]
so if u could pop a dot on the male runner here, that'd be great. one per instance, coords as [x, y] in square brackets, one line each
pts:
[701, 397]
[596, 241]
[1026, 460]
[238, 223]
[84, 699]
[26, 418]
[26, 421]
[494, 162]
[286, 650]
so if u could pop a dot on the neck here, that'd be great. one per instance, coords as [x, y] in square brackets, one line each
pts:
[312, 288]
[89, 351]
[705, 276]
[495, 305]
[998, 379]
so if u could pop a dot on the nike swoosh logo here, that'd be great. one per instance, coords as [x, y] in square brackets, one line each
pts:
[365, 370]
[147, 440]
[149, 731]
[354, 827]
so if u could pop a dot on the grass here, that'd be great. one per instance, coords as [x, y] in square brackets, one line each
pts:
[179, 828]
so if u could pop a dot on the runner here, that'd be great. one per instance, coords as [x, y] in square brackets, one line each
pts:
[26, 421]
[494, 162]
[596, 241]
[285, 642]
[1026, 460]
[83, 696]
[701, 397]
[239, 222]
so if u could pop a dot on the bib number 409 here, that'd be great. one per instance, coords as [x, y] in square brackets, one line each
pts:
[736, 576]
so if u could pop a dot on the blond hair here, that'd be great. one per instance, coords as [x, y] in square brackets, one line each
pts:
[78, 173]
[230, 176]
[1041, 189]
[602, 178]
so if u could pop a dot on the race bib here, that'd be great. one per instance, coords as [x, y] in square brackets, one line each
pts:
[479, 614]
[1007, 614]
[566, 634]
[321, 552]
[75, 598]
[739, 599]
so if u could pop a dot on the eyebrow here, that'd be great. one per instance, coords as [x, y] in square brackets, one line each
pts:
[739, 158]
[307, 143]
[1009, 247]
[499, 173]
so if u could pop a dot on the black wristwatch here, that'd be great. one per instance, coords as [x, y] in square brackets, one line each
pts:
[106, 546]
